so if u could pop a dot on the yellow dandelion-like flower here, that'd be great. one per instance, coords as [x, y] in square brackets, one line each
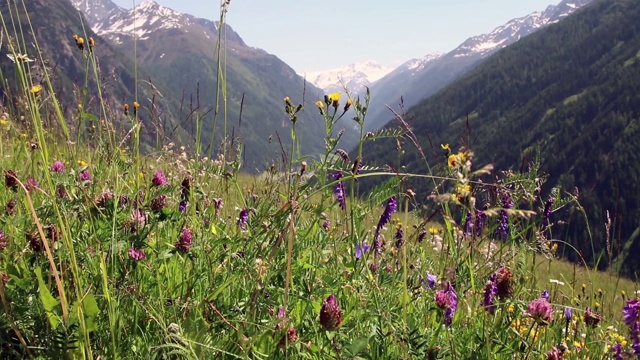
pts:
[320, 106]
[126, 109]
[434, 230]
[334, 97]
[452, 161]
[445, 147]
[136, 104]
[511, 309]
[554, 247]
[348, 104]
[82, 163]
[287, 100]
[596, 305]
[92, 43]
[462, 157]
[36, 89]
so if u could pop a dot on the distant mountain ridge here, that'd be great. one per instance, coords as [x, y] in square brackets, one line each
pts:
[418, 79]
[169, 45]
[354, 77]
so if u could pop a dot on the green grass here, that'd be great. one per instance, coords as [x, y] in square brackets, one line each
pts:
[214, 263]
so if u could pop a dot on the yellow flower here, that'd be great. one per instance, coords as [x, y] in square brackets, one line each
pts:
[36, 89]
[136, 104]
[4, 122]
[348, 104]
[434, 230]
[320, 104]
[445, 147]
[452, 160]
[82, 163]
[334, 97]
[287, 101]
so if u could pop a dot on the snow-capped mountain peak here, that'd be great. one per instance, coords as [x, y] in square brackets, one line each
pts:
[354, 76]
[515, 29]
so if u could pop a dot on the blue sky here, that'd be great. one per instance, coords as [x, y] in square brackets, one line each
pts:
[314, 35]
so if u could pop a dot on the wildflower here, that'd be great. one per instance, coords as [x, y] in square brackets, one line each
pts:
[453, 304]
[185, 188]
[399, 237]
[326, 225]
[348, 104]
[92, 43]
[136, 106]
[434, 231]
[568, 314]
[85, 176]
[136, 254]
[34, 241]
[445, 147]
[182, 206]
[158, 203]
[243, 218]
[334, 99]
[361, 248]
[503, 282]
[392, 207]
[421, 236]
[57, 167]
[138, 219]
[343, 155]
[104, 198]
[159, 179]
[490, 292]
[11, 180]
[452, 161]
[3, 241]
[555, 354]
[338, 190]
[183, 244]
[468, 224]
[218, 204]
[432, 279]
[79, 42]
[591, 318]
[630, 311]
[61, 193]
[540, 310]
[290, 337]
[35, 90]
[31, 183]
[556, 281]
[481, 217]
[617, 351]
[82, 163]
[126, 109]
[545, 294]
[320, 106]
[330, 314]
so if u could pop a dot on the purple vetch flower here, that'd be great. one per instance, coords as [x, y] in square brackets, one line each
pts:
[326, 225]
[159, 179]
[3, 240]
[158, 203]
[481, 217]
[361, 248]
[630, 311]
[503, 219]
[540, 310]
[85, 175]
[358, 170]
[545, 294]
[634, 335]
[548, 210]
[392, 207]
[182, 207]
[338, 190]
[136, 254]
[399, 237]
[432, 280]
[31, 183]
[421, 236]
[330, 314]
[57, 167]
[184, 242]
[617, 351]
[490, 292]
[243, 218]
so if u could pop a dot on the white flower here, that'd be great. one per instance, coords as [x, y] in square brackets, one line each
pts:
[554, 281]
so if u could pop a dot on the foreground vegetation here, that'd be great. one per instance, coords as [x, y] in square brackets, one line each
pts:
[109, 253]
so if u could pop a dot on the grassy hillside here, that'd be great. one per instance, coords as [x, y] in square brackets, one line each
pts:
[569, 92]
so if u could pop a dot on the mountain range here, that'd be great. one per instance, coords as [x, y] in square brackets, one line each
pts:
[570, 93]
[354, 77]
[418, 79]
[181, 52]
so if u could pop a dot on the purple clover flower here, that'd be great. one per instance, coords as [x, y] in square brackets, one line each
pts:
[330, 314]
[57, 167]
[85, 175]
[184, 242]
[540, 310]
[31, 183]
[159, 179]
[338, 190]
[158, 203]
[136, 254]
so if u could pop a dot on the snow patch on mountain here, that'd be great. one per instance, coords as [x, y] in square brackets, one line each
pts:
[354, 76]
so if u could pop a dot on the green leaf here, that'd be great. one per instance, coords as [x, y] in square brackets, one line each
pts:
[91, 310]
[358, 345]
[48, 301]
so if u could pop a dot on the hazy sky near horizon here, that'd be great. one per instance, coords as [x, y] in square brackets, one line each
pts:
[312, 35]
